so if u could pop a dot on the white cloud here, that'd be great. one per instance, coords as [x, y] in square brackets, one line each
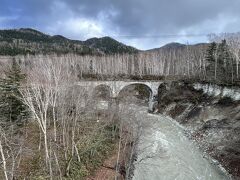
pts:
[77, 28]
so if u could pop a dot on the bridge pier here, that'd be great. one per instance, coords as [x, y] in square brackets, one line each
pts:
[152, 100]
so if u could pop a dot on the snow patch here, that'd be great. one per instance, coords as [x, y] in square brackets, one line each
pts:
[215, 90]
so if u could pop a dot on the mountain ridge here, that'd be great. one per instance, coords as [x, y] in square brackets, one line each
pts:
[31, 41]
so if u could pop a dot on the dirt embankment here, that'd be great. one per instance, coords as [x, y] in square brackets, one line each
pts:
[213, 122]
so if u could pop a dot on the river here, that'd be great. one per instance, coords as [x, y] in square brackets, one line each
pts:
[165, 153]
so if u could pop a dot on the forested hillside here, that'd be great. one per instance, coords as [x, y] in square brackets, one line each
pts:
[30, 41]
[109, 46]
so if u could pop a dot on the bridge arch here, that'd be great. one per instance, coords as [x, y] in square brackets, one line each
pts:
[102, 91]
[142, 88]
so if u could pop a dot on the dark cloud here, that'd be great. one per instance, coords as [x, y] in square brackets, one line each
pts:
[141, 16]
[116, 18]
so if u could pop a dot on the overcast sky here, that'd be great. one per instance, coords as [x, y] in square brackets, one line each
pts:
[144, 24]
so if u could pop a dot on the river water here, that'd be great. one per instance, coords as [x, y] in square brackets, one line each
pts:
[165, 153]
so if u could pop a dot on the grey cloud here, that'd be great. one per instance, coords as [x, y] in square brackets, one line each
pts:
[156, 16]
[130, 17]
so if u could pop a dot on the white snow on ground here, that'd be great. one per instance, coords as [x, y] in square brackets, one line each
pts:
[215, 90]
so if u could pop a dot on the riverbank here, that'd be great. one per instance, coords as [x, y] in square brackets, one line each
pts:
[212, 120]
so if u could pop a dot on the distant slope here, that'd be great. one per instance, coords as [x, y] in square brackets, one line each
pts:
[178, 46]
[30, 41]
[179, 57]
[109, 45]
[172, 45]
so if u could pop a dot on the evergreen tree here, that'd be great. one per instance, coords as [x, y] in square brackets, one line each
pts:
[219, 62]
[211, 59]
[211, 52]
[11, 107]
[225, 61]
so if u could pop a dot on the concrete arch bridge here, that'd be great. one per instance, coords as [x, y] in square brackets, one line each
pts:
[116, 87]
